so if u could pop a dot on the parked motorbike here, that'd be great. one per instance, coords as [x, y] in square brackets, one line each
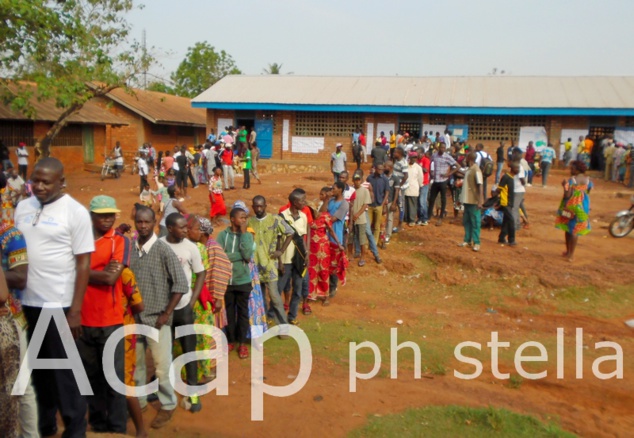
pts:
[109, 169]
[623, 223]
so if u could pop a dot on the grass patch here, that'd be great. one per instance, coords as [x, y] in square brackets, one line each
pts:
[458, 421]
[331, 339]
[611, 302]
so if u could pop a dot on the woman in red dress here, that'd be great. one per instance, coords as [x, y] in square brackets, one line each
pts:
[216, 198]
[319, 260]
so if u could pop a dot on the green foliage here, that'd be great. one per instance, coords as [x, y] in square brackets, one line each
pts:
[202, 67]
[273, 69]
[460, 421]
[60, 46]
[161, 87]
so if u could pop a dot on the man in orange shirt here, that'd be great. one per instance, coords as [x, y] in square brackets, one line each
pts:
[101, 315]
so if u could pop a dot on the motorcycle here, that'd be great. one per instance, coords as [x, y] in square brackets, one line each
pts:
[623, 223]
[109, 169]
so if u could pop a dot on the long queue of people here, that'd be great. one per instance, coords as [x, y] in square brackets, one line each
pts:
[263, 269]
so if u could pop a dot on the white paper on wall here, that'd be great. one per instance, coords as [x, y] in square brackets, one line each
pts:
[433, 129]
[624, 135]
[386, 128]
[536, 134]
[222, 124]
[574, 134]
[286, 127]
[307, 145]
[369, 143]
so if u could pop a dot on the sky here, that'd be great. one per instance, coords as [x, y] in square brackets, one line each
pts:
[397, 37]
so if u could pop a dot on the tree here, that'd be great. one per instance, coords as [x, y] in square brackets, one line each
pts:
[273, 69]
[161, 87]
[70, 51]
[201, 68]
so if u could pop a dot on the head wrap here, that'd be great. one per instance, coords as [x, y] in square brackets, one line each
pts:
[205, 225]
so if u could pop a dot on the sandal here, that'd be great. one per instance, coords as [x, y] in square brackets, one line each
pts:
[361, 263]
[325, 302]
[243, 352]
[306, 310]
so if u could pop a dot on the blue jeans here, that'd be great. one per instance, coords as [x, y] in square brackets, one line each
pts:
[498, 173]
[423, 212]
[299, 285]
[371, 242]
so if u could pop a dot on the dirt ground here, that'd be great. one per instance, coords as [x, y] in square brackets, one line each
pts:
[588, 407]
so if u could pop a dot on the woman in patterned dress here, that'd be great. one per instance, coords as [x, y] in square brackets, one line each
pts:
[573, 214]
[9, 364]
[204, 307]
[319, 260]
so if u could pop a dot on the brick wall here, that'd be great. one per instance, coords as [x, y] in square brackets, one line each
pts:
[139, 131]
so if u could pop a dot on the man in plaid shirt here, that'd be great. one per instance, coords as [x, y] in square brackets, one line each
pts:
[162, 283]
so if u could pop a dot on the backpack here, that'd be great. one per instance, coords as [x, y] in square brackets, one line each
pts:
[486, 165]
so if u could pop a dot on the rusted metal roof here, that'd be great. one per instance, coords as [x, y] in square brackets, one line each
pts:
[434, 94]
[160, 108]
[46, 111]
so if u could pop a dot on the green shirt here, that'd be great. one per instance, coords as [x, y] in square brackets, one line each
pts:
[246, 160]
[242, 136]
[267, 231]
[239, 250]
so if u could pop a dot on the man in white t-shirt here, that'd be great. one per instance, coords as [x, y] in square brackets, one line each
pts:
[58, 234]
[23, 159]
[191, 262]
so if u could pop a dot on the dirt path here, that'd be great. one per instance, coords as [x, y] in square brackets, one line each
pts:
[524, 285]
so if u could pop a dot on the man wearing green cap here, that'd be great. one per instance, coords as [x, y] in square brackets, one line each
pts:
[101, 315]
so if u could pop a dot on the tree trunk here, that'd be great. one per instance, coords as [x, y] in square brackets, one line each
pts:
[43, 146]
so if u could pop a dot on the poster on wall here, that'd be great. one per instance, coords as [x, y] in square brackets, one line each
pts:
[460, 132]
[433, 129]
[286, 128]
[536, 134]
[624, 135]
[222, 124]
[307, 145]
[369, 135]
[386, 128]
[573, 134]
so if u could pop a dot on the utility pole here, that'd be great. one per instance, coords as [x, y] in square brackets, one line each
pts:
[144, 64]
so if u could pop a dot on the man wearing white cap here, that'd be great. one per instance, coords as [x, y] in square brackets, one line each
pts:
[338, 161]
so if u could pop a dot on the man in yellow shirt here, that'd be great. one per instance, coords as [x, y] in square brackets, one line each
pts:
[392, 143]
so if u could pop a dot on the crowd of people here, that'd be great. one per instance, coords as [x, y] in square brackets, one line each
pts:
[168, 271]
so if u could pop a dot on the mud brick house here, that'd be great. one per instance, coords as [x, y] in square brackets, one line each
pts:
[151, 117]
[302, 118]
[80, 142]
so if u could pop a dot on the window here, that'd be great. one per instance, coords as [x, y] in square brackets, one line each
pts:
[629, 122]
[160, 129]
[185, 131]
[324, 124]
[505, 128]
[13, 132]
[70, 135]
[412, 128]
[437, 119]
